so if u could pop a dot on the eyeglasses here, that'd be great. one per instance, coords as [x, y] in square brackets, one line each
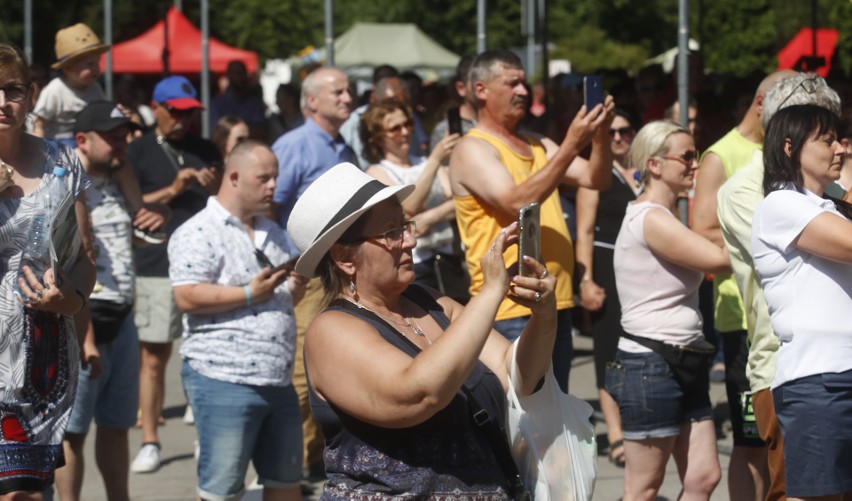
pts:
[393, 237]
[687, 159]
[808, 84]
[625, 132]
[15, 93]
[396, 129]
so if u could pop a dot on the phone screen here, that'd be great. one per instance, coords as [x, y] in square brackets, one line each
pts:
[454, 124]
[592, 91]
[529, 236]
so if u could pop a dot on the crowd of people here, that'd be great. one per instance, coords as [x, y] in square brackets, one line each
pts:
[344, 277]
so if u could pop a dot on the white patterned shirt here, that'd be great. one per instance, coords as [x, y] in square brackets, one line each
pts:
[252, 345]
[113, 242]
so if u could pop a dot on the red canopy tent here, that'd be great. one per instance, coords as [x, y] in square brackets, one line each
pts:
[794, 55]
[144, 54]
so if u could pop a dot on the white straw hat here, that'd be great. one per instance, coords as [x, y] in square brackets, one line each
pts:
[329, 206]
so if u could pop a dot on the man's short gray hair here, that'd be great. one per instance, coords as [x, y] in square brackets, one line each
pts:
[485, 67]
[310, 85]
[800, 88]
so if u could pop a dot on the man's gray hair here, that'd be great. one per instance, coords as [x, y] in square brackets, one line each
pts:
[801, 88]
[486, 66]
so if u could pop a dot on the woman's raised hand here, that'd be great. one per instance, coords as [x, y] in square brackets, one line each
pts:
[494, 272]
[444, 147]
[537, 291]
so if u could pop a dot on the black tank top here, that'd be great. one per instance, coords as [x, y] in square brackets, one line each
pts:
[444, 457]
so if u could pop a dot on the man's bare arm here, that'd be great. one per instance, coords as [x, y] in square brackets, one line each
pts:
[711, 177]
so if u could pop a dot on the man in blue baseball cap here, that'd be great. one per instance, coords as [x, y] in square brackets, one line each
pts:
[180, 169]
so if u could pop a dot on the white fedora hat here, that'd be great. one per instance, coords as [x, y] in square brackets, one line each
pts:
[329, 206]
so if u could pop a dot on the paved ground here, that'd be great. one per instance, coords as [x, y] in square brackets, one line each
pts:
[176, 479]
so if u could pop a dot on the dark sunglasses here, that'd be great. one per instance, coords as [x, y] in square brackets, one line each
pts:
[622, 131]
[15, 93]
[686, 159]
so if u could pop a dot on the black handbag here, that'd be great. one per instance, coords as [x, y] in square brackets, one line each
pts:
[690, 364]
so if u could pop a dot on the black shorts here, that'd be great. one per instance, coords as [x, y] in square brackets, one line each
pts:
[737, 387]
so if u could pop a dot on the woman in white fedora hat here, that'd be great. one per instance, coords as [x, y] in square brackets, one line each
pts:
[397, 370]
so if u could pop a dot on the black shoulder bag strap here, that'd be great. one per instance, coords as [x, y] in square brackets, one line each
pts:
[494, 435]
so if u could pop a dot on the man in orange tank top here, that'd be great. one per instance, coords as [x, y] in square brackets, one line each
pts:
[495, 170]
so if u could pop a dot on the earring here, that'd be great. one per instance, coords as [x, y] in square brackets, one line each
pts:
[352, 285]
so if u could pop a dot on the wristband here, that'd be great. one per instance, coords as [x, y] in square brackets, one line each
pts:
[248, 294]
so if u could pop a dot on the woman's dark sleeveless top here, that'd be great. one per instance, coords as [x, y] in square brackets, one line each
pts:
[444, 457]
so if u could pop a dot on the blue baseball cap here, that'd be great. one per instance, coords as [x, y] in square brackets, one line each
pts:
[177, 92]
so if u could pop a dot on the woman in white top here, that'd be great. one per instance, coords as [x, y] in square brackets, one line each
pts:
[386, 129]
[802, 245]
[659, 264]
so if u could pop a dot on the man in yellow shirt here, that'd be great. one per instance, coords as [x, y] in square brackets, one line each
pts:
[495, 170]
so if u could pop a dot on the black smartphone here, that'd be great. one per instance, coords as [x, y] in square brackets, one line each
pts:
[289, 265]
[593, 93]
[529, 237]
[454, 124]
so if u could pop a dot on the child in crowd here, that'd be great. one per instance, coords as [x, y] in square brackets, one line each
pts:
[78, 51]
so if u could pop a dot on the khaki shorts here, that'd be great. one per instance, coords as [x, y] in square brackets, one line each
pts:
[157, 317]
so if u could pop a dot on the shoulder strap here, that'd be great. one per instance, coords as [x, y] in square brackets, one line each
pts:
[481, 418]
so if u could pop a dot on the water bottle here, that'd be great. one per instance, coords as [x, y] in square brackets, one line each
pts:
[36, 253]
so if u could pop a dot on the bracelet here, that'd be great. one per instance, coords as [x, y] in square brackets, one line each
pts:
[248, 294]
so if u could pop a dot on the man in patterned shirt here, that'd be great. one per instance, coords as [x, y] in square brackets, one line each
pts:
[231, 270]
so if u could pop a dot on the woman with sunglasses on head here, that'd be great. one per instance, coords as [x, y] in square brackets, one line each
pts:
[39, 350]
[396, 370]
[660, 374]
[599, 216]
[802, 247]
[386, 129]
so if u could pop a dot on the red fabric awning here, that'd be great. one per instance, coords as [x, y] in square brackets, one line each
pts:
[802, 45]
[144, 54]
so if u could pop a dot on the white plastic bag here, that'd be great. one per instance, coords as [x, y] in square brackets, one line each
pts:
[553, 441]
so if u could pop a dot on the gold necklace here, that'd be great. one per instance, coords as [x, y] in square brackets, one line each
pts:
[405, 323]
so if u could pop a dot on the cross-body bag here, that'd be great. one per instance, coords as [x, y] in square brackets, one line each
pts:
[690, 363]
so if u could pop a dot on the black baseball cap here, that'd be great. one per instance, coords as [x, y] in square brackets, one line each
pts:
[101, 116]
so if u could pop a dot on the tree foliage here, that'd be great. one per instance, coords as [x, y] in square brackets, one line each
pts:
[737, 36]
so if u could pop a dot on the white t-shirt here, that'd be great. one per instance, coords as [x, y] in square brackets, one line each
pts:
[659, 299]
[111, 223]
[58, 104]
[809, 297]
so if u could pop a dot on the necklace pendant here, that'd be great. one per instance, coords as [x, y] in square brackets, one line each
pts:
[418, 331]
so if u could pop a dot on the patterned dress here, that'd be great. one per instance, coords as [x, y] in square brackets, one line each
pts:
[38, 351]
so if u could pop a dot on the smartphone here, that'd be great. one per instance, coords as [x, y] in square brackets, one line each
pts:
[593, 94]
[529, 237]
[289, 265]
[454, 123]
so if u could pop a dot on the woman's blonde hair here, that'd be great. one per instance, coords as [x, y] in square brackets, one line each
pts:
[652, 141]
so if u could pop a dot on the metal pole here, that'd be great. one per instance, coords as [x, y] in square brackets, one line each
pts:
[683, 84]
[28, 31]
[480, 26]
[108, 41]
[329, 32]
[545, 59]
[205, 69]
[179, 5]
[531, 60]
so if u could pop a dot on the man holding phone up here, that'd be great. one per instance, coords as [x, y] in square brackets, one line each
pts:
[494, 171]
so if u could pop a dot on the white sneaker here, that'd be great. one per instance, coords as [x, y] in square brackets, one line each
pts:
[188, 416]
[147, 460]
